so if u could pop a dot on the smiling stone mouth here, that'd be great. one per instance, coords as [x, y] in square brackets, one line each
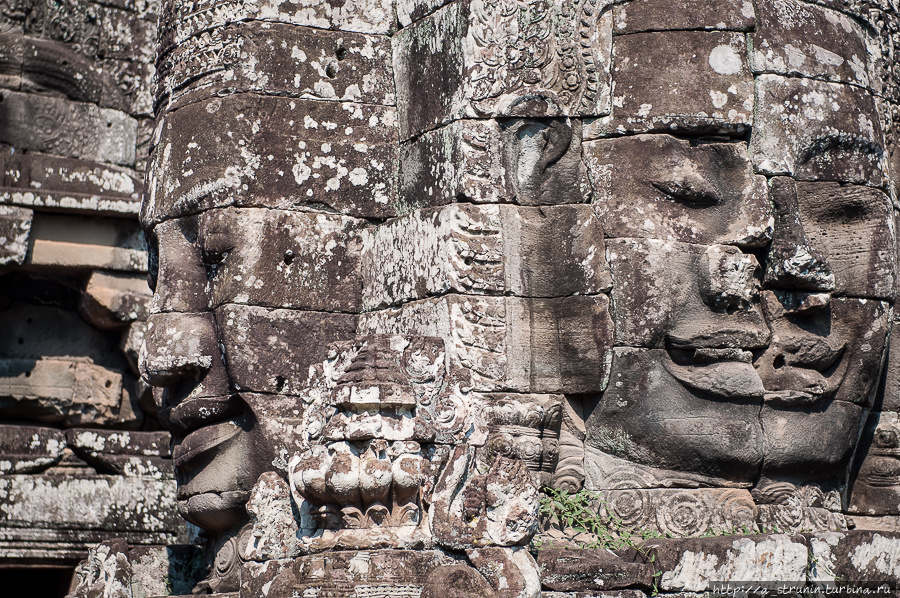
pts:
[193, 414]
[203, 440]
[725, 374]
[802, 372]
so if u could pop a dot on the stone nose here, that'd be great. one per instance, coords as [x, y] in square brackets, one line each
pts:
[178, 348]
[792, 263]
[728, 278]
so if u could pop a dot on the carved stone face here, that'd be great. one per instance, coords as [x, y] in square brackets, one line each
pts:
[752, 283]
[224, 357]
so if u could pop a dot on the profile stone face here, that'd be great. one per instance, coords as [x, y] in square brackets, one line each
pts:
[404, 278]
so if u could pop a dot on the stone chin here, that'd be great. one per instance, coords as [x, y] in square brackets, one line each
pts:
[681, 418]
[215, 512]
[216, 467]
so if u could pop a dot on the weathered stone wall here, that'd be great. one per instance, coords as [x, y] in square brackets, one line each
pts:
[82, 458]
[412, 260]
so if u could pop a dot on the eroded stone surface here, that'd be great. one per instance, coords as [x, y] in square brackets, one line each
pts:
[494, 250]
[682, 80]
[800, 130]
[793, 38]
[71, 129]
[472, 59]
[656, 15]
[277, 59]
[114, 300]
[486, 336]
[336, 154]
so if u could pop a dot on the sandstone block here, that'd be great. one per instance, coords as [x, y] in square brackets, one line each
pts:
[398, 573]
[794, 38]
[65, 184]
[522, 161]
[79, 24]
[851, 226]
[51, 174]
[251, 335]
[15, 226]
[511, 572]
[712, 196]
[125, 37]
[474, 508]
[274, 58]
[279, 258]
[512, 343]
[186, 18]
[690, 80]
[656, 15]
[339, 155]
[35, 332]
[456, 63]
[274, 534]
[139, 454]
[59, 391]
[11, 59]
[801, 130]
[692, 565]
[855, 557]
[129, 89]
[110, 503]
[600, 569]
[524, 427]
[70, 129]
[29, 449]
[798, 518]
[40, 68]
[113, 300]
[63, 241]
[679, 512]
[82, 256]
[494, 250]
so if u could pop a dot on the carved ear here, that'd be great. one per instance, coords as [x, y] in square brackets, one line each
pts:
[531, 148]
